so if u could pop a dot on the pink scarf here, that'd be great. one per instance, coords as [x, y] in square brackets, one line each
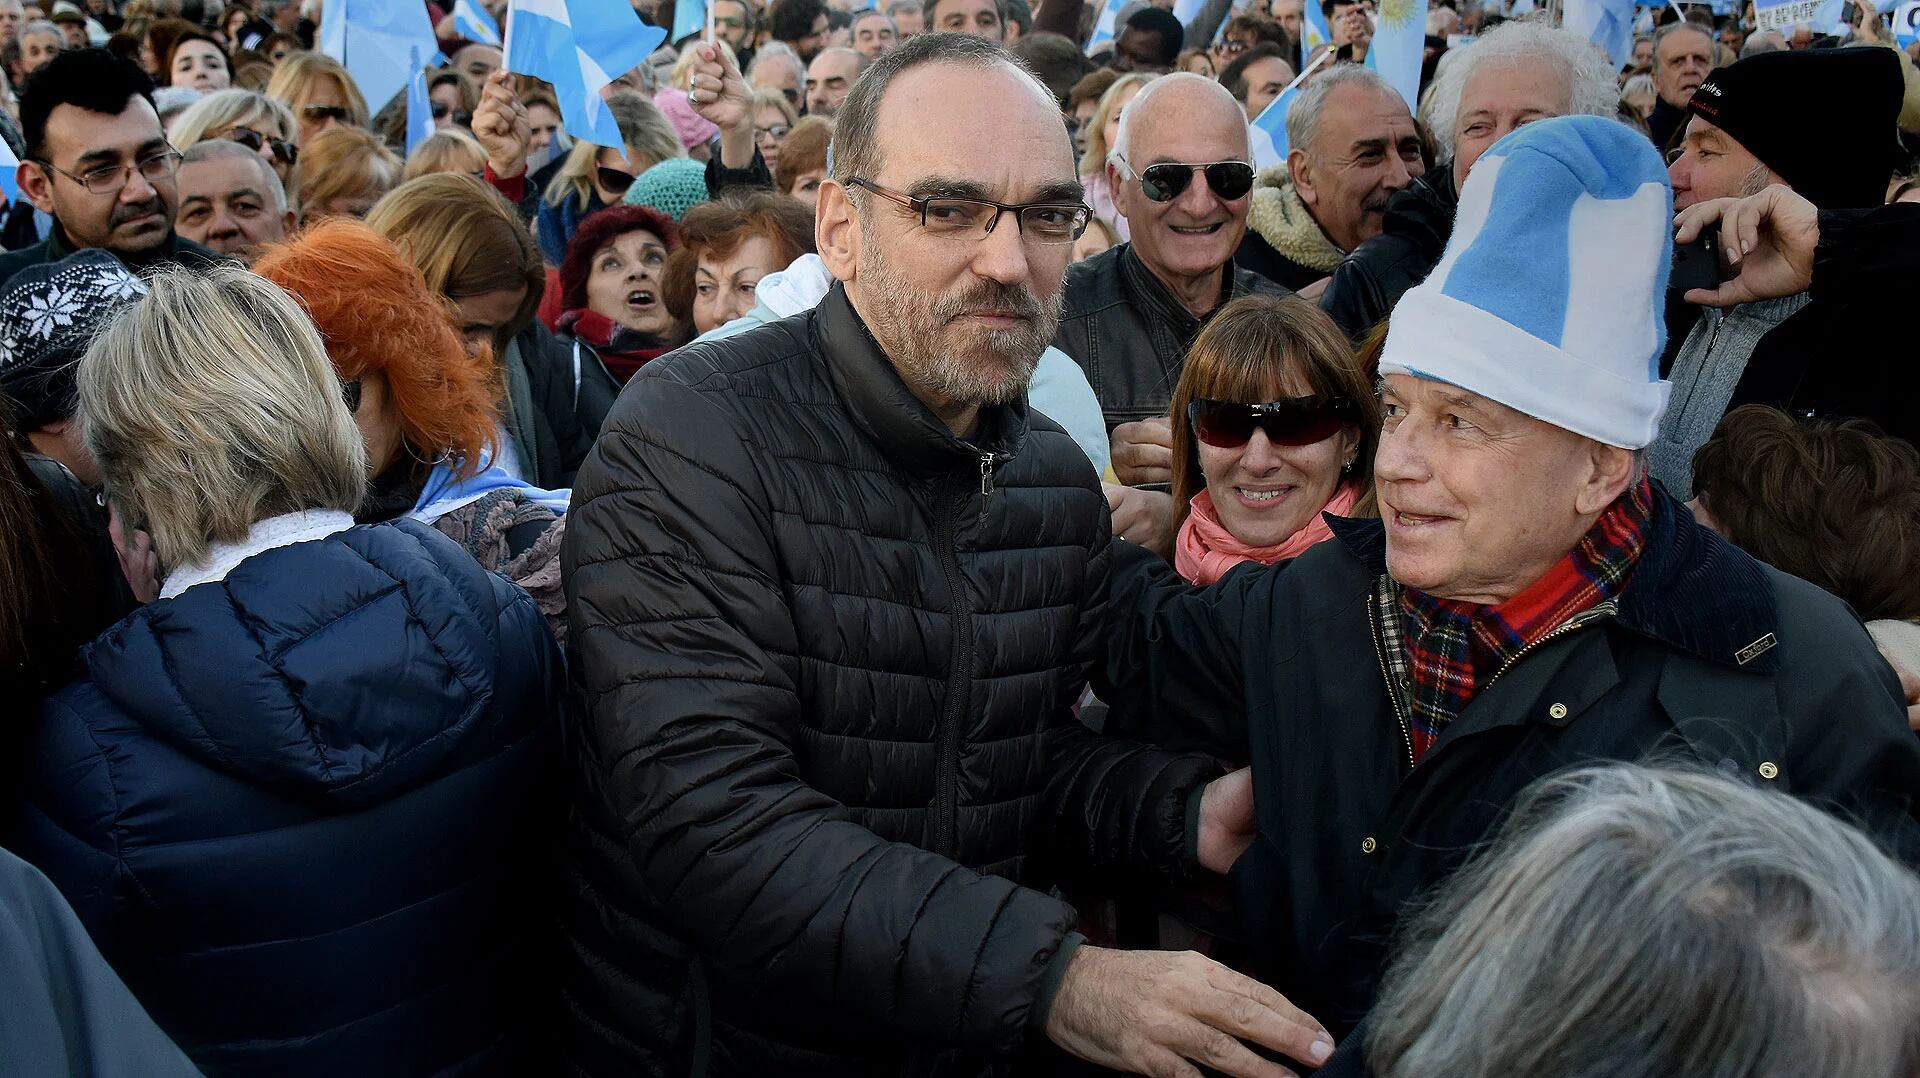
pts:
[1205, 550]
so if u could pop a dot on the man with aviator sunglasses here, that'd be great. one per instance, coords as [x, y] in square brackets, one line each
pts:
[1181, 173]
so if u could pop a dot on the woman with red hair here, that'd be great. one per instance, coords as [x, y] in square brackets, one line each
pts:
[427, 406]
[613, 287]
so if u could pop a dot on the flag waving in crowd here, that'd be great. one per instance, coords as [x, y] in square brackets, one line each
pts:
[788, 537]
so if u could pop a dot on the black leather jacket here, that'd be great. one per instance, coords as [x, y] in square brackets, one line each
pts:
[1130, 334]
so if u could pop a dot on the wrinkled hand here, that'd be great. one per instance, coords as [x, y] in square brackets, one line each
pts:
[138, 563]
[1143, 451]
[1767, 240]
[1359, 29]
[1227, 823]
[718, 92]
[501, 125]
[1142, 517]
[1159, 1012]
[1869, 31]
[1909, 688]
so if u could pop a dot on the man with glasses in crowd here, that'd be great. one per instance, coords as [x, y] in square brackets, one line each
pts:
[836, 829]
[99, 162]
[1181, 174]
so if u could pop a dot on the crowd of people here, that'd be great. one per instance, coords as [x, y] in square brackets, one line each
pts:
[926, 560]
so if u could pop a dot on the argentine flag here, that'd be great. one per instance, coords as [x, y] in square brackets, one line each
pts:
[1267, 134]
[419, 107]
[1606, 23]
[1313, 28]
[689, 18]
[472, 22]
[9, 172]
[377, 40]
[580, 46]
[1399, 45]
[1104, 28]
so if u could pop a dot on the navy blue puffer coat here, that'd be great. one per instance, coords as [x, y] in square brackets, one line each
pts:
[302, 810]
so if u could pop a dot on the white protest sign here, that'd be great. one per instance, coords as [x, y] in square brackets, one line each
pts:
[1906, 23]
[1824, 16]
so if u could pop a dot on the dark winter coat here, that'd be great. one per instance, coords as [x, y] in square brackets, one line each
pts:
[1707, 653]
[176, 251]
[827, 656]
[558, 394]
[305, 810]
[1130, 334]
[1371, 280]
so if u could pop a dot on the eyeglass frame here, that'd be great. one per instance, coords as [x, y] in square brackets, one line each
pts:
[283, 149]
[919, 206]
[171, 156]
[1139, 176]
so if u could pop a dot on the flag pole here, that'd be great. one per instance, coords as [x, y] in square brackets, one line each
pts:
[709, 22]
[506, 38]
[1308, 70]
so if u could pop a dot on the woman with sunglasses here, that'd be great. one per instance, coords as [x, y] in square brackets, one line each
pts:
[253, 120]
[302, 799]
[1273, 425]
[320, 94]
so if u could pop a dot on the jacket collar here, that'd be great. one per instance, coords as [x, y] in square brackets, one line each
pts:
[1276, 214]
[1692, 589]
[905, 429]
[1159, 303]
[59, 246]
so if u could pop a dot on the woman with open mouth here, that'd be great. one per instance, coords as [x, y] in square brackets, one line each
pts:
[612, 287]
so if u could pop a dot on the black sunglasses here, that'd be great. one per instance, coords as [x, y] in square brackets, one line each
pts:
[441, 108]
[1165, 182]
[1295, 422]
[615, 180]
[286, 151]
[325, 112]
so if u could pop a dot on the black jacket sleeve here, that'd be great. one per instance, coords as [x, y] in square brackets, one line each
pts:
[688, 675]
[572, 392]
[720, 178]
[1173, 672]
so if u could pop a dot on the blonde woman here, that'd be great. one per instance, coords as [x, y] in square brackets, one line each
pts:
[253, 120]
[1101, 132]
[347, 171]
[320, 94]
[450, 149]
[593, 177]
[301, 799]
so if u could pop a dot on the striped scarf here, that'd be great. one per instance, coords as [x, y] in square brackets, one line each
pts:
[1454, 649]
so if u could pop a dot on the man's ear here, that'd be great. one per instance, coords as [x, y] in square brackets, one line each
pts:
[1302, 176]
[836, 231]
[1611, 471]
[37, 184]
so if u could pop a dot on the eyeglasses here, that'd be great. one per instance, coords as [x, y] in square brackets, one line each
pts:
[336, 113]
[774, 133]
[350, 393]
[108, 179]
[615, 180]
[1047, 222]
[1167, 181]
[286, 151]
[1294, 422]
[441, 108]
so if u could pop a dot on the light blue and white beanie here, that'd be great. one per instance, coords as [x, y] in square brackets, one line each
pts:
[1550, 297]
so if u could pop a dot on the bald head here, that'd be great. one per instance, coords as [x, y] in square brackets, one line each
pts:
[1193, 109]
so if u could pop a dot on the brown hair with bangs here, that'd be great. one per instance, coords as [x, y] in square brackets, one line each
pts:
[717, 229]
[1265, 348]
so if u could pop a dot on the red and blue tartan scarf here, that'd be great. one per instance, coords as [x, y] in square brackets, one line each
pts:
[1453, 649]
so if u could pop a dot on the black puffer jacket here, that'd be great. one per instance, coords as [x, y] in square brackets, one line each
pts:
[1372, 279]
[826, 656]
[558, 393]
[1130, 334]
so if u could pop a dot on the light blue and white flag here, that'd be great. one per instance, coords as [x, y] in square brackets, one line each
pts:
[1188, 10]
[1824, 16]
[1105, 28]
[471, 21]
[1313, 28]
[1606, 23]
[689, 18]
[1906, 23]
[419, 106]
[1267, 134]
[1519, 8]
[579, 46]
[1400, 46]
[9, 172]
[376, 40]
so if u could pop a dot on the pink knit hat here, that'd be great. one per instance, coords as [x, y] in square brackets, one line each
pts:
[693, 129]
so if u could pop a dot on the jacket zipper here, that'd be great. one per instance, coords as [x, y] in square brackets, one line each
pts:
[1386, 673]
[946, 796]
[986, 474]
[1577, 622]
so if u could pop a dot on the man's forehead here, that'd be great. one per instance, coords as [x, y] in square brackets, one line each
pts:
[84, 131]
[1185, 120]
[993, 126]
[1358, 113]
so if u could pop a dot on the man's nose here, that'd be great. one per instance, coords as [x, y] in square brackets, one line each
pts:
[1001, 255]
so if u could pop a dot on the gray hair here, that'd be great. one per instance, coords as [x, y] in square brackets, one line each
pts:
[1592, 83]
[894, 9]
[860, 59]
[1672, 28]
[781, 53]
[211, 405]
[1646, 921]
[221, 149]
[43, 26]
[874, 13]
[1303, 115]
[1639, 84]
[855, 149]
[1130, 116]
[1764, 41]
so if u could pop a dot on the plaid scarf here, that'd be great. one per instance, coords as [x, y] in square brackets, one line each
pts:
[1454, 649]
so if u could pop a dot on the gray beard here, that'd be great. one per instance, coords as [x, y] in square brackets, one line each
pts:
[944, 361]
